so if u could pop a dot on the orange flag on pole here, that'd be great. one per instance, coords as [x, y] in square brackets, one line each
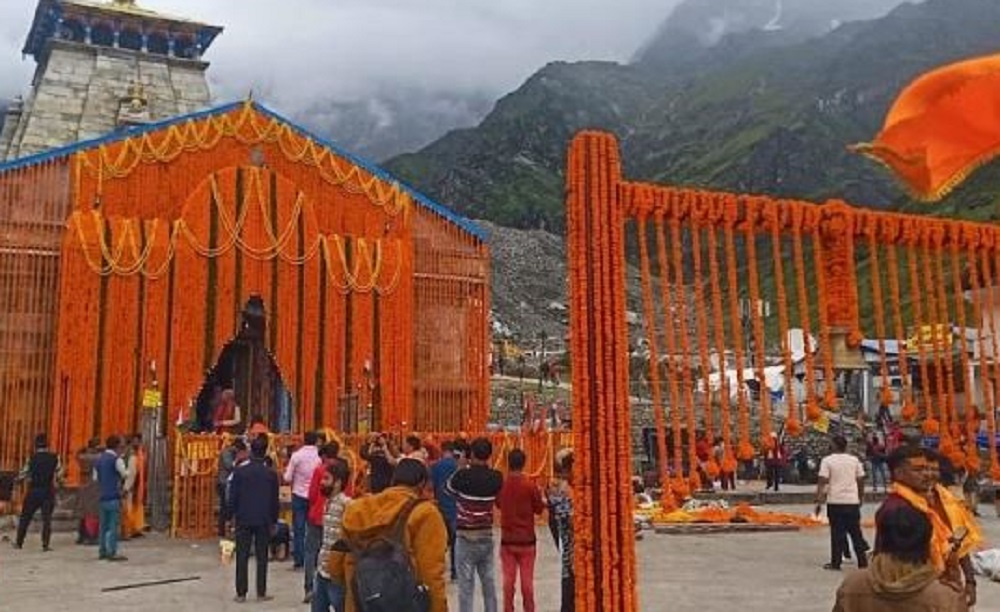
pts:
[942, 127]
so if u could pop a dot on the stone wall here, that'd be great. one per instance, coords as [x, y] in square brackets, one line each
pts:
[78, 88]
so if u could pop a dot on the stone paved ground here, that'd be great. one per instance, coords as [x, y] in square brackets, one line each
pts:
[745, 572]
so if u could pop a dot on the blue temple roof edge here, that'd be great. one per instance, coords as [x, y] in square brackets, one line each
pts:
[67, 150]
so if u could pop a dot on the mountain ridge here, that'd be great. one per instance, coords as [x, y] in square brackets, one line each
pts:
[774, 120]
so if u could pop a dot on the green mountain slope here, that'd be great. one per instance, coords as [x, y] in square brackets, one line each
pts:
[754, 114]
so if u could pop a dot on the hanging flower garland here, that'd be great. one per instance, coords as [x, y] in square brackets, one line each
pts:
[909, 411]
[991, 276]
[877, 302]
[931, 426]
[745, 451]
[677, 245]
[698, 212]
[248, 126]
[946, 341]
[750, 236]
[793, 425]
[830, 394]
[667, 292]
[649, 325]
[728, 458]
[958, 292]
[813, 411]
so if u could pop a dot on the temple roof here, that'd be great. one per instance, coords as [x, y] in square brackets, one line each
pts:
[123, 134]
[124, 12]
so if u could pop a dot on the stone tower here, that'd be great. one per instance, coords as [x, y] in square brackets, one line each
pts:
[104, 65]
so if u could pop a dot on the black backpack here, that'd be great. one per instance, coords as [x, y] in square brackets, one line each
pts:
[384, 579]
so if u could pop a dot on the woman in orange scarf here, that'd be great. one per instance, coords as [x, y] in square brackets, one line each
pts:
[915, 473]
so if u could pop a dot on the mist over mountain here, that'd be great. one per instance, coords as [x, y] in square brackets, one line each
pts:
[391, 123]
[697, 26]
[752, 116]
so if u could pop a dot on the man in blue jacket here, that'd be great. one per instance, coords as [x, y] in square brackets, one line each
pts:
[110, 472]
[440, 473]
[254, 497]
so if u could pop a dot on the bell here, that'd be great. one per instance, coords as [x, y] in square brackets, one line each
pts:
[844, 357]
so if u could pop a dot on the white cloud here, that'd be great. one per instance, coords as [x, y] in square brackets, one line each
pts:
[293, 53]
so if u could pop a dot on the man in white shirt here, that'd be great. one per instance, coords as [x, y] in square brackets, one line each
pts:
[298, 473]
[841, 486]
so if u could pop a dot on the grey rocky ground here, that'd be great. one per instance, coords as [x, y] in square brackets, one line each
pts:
[746, 572]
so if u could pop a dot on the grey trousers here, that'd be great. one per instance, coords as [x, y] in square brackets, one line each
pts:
[475, 555]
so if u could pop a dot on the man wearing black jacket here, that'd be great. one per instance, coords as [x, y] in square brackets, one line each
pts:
[43, 473]
[254, 497]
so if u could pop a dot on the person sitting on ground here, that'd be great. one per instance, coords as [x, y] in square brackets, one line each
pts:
[901, 576]
[374, 517]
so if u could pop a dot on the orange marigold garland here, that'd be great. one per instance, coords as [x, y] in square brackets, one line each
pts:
[793, 426]
[909, 411]
[750, 236]
[991, 274]
[829, 391]
[813, 411]
[728, 460]
[958, 291]
[745, 451]
[931, 424]
[698, 210]
[677, 245]
[877, 302]
[944, 338]
[649, 324]
[669, 325]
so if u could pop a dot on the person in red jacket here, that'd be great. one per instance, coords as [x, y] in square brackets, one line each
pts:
[329, 453]
[519, 502]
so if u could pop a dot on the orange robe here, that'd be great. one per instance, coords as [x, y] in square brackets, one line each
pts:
[134, 509]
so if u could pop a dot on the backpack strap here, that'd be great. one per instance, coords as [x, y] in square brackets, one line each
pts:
[398, 529]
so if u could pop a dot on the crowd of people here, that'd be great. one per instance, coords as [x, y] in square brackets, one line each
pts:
[110, 504]
[397, 526]
[388, 534]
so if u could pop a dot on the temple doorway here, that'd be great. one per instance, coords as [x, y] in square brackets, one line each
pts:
[248, 368]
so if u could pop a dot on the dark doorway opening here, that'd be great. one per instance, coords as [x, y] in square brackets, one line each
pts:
[248, 368]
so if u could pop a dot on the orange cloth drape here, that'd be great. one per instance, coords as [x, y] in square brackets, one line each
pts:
[942, 127]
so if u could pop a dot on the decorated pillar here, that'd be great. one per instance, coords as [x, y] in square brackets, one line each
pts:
[602, 496]
[839, 283]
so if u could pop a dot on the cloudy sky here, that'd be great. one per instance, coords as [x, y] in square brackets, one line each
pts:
[296, 52]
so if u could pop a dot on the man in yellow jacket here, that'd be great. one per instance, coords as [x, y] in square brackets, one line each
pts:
[425, 534]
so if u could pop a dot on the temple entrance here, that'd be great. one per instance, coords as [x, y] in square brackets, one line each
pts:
[248, 368]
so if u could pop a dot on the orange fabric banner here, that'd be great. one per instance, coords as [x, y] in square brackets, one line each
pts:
[942, 127]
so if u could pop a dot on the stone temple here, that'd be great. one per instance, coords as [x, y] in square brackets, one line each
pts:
[101, 66]
[156, 249]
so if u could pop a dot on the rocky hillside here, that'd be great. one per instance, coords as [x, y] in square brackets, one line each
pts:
[759, 113]
[530, 283]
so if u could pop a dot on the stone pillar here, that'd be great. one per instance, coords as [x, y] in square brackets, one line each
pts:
[605, 568]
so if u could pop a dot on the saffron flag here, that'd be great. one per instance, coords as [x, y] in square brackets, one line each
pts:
[942, 127]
